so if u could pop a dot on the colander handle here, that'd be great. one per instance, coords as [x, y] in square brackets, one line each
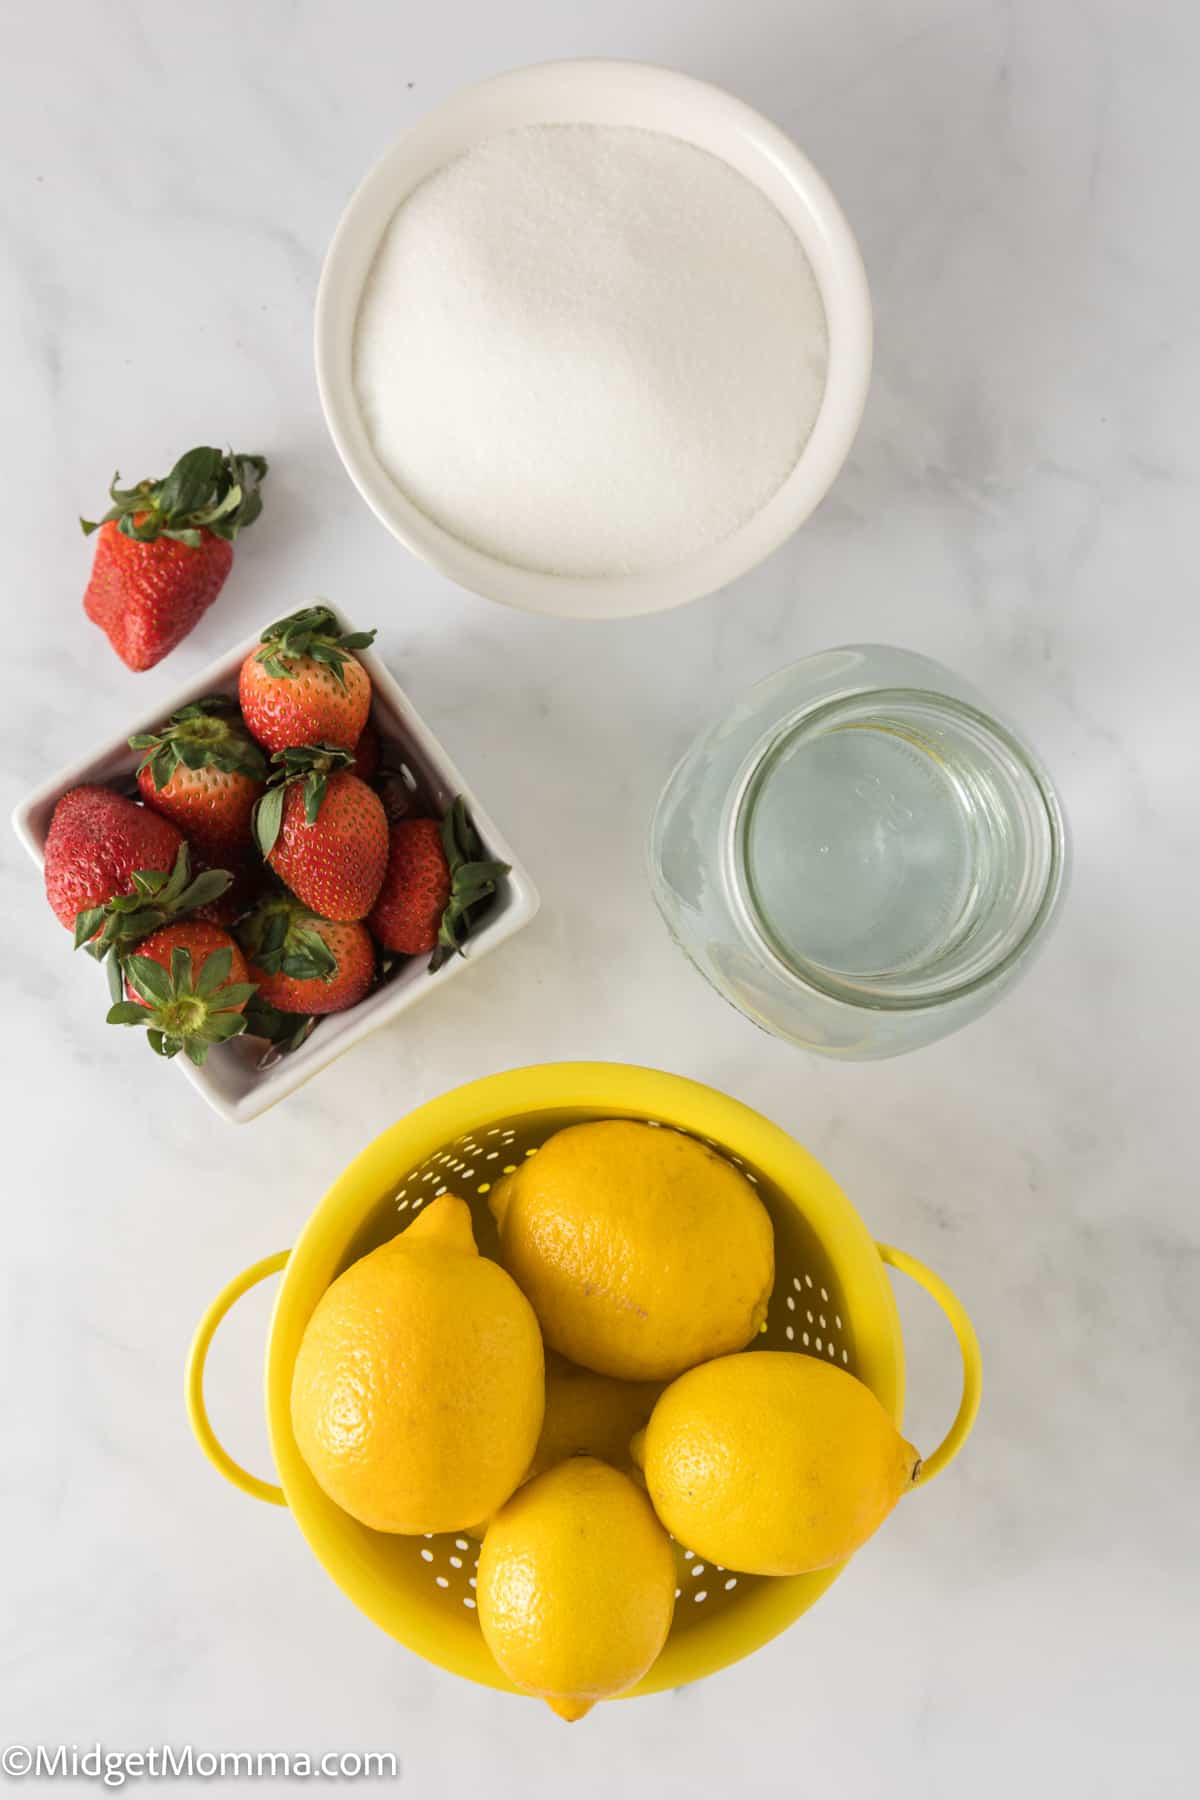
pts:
[206, 1437]
[968, 1344]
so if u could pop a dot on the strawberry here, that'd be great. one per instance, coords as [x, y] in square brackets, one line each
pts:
[366, 753]
[164, 549]
[323, 831]
[115, 870]
[186, 985]
[204, 772]
[303, 686]
[304, 964]
[434, 886]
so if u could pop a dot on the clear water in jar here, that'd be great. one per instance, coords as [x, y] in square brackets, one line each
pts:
[884, 843]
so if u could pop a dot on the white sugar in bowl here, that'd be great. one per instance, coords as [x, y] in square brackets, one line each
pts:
[552, 512]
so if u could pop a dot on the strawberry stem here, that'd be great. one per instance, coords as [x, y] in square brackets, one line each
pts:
[206, 490]
[473, 881]
[312, 632]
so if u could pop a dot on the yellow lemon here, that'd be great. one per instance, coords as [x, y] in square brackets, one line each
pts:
[590, 1415]
[773, 1463]
[417, 1393]
[576, 1585]
[642, 1251]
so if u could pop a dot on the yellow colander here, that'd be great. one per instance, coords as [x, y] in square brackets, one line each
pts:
[832, 1299]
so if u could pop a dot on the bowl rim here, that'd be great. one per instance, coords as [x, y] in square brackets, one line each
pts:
[621, 1089]
[517, 904]
[536, 94]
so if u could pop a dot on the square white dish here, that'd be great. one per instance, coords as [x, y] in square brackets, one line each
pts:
[231, 1081]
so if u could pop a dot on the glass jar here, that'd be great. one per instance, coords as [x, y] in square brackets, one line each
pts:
[859, 857]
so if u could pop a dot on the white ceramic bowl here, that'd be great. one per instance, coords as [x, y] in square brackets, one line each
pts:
[602, 93]
[231, 1080]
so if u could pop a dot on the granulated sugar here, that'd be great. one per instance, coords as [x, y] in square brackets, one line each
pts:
[589, 350]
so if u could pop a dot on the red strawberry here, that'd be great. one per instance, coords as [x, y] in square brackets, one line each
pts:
[303, 686]
[115, 870]
[434, 886]
[165, 548]
[203, 771]
[324, 832]
[95, 842]
[304, 964]
[366, 753]
[187, 986]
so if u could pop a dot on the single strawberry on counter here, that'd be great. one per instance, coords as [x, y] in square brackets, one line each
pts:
[115, 871]
[204, 772]
[323, 831]
[434, 887]
[305, 964]
[304, 685]
[164, 549]
[187, 987]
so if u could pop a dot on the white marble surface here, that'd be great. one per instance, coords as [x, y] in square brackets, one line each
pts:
[1020, 503]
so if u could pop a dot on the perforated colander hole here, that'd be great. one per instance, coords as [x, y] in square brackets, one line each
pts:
[678, 1592]
[791, 1303]
[702, 1595]
[731, 1584]
[471, 1581]
[808, 1281]
[830, 1348]
[790, 1334]
[810, 1318]
[697, 1568]
[441, 1581]
[845, 1356]
[467, 1601]
[461, 1544]
[821, 1320]
[820, 1346]
[825, 1294]
[688, 1554]
[837, 1319]
[804, 1337]
[427, 1556]
[456, 1562]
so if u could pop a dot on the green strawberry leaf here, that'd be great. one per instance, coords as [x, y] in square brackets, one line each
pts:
[149, 979]
[222, 1027]
[116, 979]
[268, 817]
[126, 1012]
[205, 490]
[87, 924]
[217, 968]
[235, 994]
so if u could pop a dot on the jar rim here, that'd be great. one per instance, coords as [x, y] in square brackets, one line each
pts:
[883, 993]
